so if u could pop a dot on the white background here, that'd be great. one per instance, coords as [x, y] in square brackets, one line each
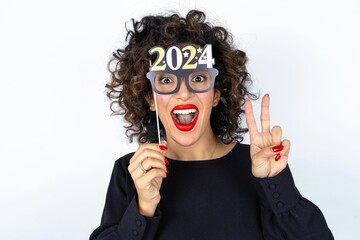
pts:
[58, 142]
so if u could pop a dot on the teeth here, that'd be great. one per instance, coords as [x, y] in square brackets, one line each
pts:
[185, 111]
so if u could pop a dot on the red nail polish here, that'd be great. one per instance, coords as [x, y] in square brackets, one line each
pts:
[166, 162]
[167, 171]
[277, 157]
[278, 148]
[163, 148]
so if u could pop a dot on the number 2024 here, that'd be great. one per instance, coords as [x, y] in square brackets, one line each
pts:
[205, 57]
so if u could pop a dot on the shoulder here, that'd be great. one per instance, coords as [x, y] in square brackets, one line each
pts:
[120, 175]
[121, 181]
[241, 148]
[240, 155]
[234, 148]
[122, 163]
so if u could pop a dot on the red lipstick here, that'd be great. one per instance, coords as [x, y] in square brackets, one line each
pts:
[185, 109]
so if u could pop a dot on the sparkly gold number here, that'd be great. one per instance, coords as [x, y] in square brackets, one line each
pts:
[188, 64]
[160, 56]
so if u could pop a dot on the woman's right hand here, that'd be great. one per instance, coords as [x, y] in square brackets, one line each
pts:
[148, 168]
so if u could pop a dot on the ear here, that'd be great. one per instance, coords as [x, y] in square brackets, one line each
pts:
[150, 101]
[217, 95]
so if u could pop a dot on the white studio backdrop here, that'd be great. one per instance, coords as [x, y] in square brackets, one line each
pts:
[58, 142]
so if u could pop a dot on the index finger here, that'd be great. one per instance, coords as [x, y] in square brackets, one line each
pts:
[148, 149]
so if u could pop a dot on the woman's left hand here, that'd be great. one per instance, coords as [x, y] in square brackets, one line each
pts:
[269, 153]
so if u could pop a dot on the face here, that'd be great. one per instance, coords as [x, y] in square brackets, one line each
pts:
[185, 115]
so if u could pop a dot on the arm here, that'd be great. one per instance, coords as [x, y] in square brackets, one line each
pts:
[285, 214]
[121, 218]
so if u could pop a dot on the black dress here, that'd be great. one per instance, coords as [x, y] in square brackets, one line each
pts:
[213, 199]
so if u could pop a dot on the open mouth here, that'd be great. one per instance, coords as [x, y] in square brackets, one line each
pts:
[185, 116]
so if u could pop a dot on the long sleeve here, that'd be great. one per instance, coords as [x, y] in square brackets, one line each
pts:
[211, 200]
[121, 219]
[285, 214]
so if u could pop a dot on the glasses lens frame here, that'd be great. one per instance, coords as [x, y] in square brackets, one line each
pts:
[151, 75]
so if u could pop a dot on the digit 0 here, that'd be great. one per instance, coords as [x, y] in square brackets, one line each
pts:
[170, 60]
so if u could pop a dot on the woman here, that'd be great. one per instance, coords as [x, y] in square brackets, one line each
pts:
[199, 181]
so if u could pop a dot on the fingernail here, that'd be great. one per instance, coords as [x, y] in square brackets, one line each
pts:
[277, 157]
[166, 162]
[167, 171]
[278, 148]
[163, 148]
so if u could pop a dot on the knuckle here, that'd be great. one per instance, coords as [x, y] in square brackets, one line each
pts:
[130, 168]
[148, 152]
[155, 160]
[155, 172]
[287, 143]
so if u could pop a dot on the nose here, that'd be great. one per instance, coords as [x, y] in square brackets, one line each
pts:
[183, 92]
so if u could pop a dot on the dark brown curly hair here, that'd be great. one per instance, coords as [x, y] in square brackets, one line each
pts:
[129, 89]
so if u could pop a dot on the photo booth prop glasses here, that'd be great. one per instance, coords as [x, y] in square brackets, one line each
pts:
[193, 65]
[170, 82]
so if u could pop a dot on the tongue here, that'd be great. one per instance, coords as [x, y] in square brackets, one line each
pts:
[184, 118]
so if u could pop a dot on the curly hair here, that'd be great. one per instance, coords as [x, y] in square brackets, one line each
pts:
[129, 89]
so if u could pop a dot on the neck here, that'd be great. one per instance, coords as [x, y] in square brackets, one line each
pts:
[204, 149]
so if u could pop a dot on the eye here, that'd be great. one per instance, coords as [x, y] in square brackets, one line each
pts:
[165, 80]
[198, 78]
